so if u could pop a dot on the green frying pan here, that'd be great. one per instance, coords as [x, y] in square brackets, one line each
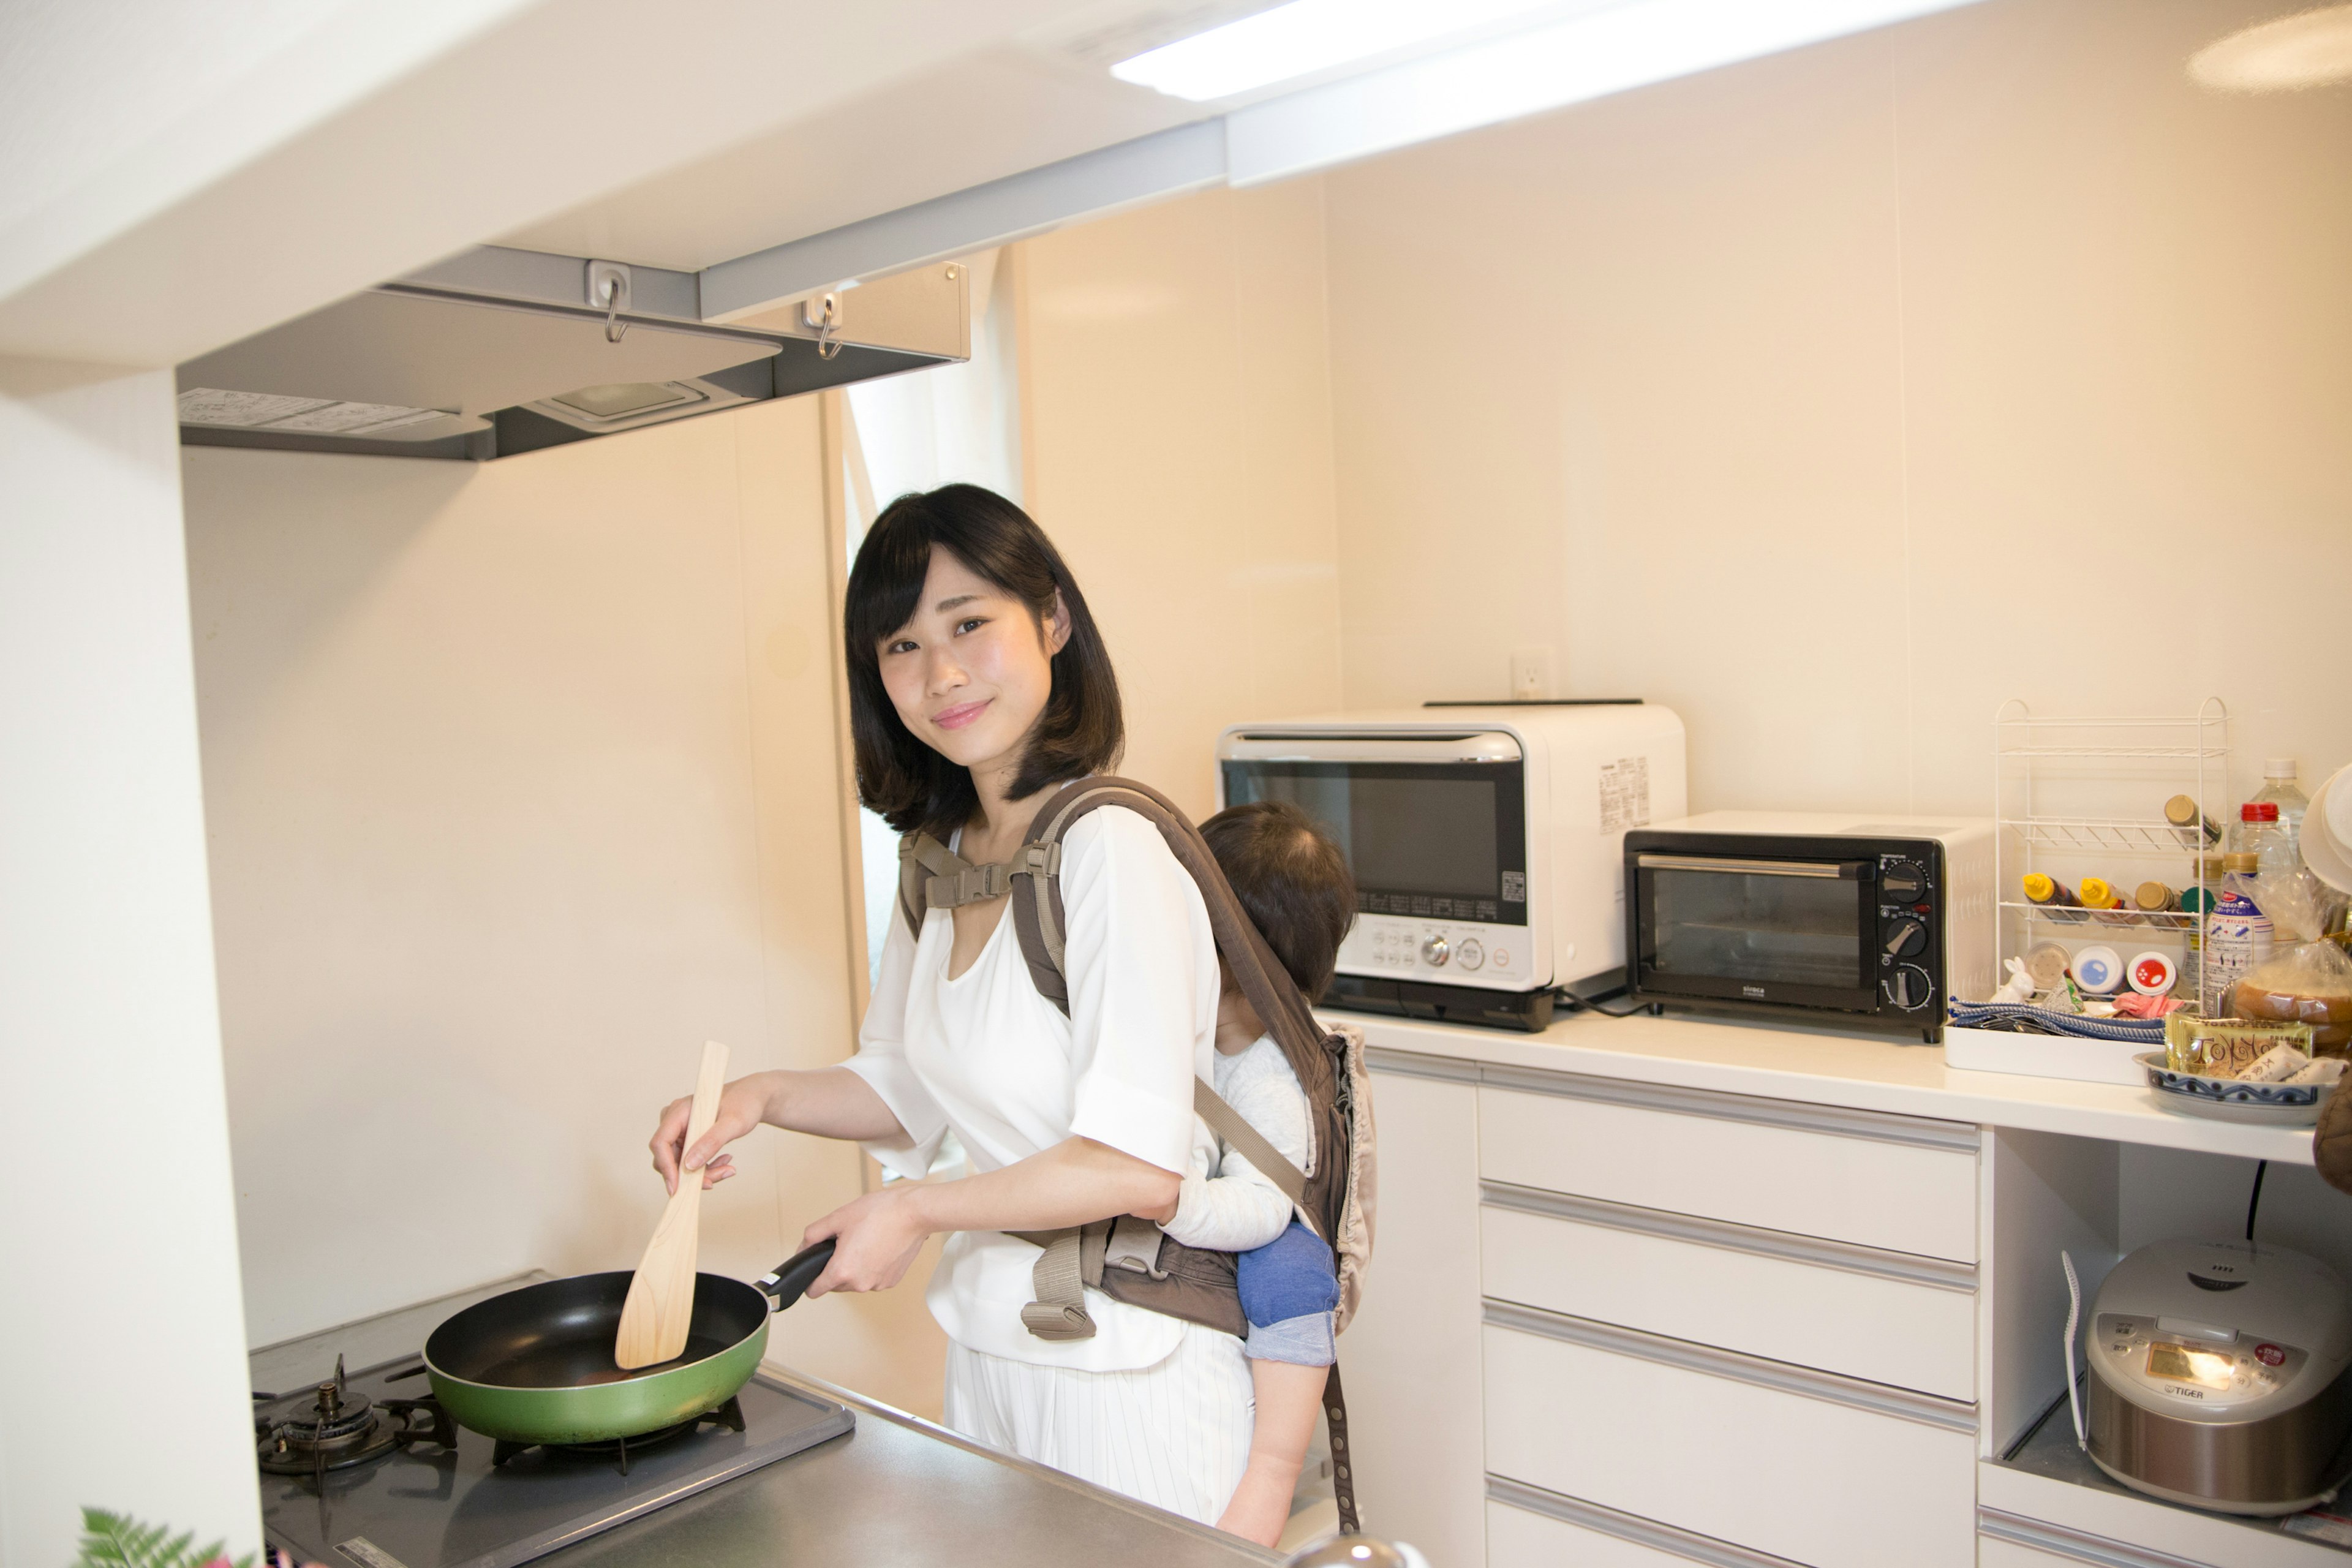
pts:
[535, 1365]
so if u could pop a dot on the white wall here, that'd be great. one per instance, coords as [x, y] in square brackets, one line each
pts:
[521, 784]
[119, 1235]
[1835, 397]
[1178, 427]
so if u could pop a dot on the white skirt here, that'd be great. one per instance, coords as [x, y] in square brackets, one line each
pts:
[1175, 1433]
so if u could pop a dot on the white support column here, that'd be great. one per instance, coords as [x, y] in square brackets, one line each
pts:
[120, 1304]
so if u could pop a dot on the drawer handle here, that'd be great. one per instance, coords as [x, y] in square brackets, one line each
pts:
[1632, 1527]
[1878, 1262]
[2074, 1545]
[1831, 1388]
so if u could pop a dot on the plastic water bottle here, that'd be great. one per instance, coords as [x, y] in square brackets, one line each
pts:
[2279, 790]
[2237, 933]
[2259, 833]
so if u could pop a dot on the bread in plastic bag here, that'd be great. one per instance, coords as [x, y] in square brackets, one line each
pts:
[2310, 982]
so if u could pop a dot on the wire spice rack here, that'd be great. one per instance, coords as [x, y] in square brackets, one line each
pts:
[2057, 784]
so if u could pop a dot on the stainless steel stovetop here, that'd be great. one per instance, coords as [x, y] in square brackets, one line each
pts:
[426, 1504]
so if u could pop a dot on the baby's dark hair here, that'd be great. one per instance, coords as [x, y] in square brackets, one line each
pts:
[1292, 880]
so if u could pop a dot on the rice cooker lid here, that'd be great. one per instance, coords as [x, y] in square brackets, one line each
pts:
[2219, 1332]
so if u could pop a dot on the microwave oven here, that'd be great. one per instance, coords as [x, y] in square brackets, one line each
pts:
[1485, 842]
[1868, 924]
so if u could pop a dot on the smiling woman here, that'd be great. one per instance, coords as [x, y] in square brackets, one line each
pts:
[945, 582]
[978, 681]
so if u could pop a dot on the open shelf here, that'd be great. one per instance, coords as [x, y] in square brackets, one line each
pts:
[2048, 1452]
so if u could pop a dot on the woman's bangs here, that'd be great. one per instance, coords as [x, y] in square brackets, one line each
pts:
[886, 585]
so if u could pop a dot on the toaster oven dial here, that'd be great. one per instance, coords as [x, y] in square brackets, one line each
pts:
[1902, 882]
[1908, 987]
[1906, 937]
[1435, 950]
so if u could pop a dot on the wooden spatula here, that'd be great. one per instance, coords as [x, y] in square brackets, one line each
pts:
[660, 1306]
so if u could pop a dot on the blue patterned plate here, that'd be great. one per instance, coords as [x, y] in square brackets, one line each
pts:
[2233, 1100]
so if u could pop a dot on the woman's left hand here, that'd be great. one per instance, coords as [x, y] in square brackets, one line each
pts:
[876, 1239]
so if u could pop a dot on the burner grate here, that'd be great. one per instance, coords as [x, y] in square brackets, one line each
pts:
[729, 1416]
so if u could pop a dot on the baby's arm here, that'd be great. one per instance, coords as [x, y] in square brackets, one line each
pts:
[1232, 1212]
[1287, 1398]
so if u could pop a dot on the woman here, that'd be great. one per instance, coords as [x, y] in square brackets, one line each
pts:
[977, 682]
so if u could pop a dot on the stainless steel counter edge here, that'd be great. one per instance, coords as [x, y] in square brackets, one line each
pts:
[1243, 1551]
[1814, 1067]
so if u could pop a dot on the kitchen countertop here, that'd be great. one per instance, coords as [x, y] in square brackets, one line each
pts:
[895, 1490]
[900, 1491]
[1823, 1067]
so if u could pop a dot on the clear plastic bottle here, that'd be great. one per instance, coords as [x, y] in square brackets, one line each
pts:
[2237, 933]
[2279, 790]
[2259, 833]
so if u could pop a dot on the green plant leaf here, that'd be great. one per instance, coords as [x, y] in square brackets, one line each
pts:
[119, 1541]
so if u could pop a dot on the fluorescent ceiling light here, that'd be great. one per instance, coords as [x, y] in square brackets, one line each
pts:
[2309, 49]
[1301, 38]
[1545, 66]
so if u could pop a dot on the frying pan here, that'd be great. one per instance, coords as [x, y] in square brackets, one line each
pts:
[535, 1365]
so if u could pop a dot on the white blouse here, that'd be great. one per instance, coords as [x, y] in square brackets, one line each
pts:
[988, 1055]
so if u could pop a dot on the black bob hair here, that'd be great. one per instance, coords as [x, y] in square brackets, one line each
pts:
[1081, 730]
[1292, 880]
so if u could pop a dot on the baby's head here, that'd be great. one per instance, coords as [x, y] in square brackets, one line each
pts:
[1292, 882]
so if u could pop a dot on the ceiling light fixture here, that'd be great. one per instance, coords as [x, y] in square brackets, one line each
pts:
[1301, 38]
[2310, 48]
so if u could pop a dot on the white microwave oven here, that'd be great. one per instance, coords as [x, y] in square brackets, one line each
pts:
[1486, 842]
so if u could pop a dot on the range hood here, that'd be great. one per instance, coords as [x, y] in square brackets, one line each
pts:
[497, 352]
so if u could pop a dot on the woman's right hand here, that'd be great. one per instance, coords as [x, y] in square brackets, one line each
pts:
[742, 1106]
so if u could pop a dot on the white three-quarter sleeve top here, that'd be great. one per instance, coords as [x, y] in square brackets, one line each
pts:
[986, 1055]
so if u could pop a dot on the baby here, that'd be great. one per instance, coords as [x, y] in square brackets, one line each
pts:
[1294, 884]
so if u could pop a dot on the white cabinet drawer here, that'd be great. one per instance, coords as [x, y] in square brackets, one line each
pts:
[1888, 1317]
[1903, 1183]
[1516, 1539]
[1529, 1528]
[1846, 1476]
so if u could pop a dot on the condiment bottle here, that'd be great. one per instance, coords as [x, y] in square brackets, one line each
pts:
[2155, 899]
[2182, 811]
[2104, 903]
[2053, 896]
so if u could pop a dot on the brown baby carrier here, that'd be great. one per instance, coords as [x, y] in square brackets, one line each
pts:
[1129, 1259]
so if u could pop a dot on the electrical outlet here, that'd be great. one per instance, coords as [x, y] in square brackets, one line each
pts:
[1530, 674]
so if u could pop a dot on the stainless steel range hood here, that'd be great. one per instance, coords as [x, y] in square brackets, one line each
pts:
[497, 352]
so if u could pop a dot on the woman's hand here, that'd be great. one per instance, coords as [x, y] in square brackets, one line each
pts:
[876, 1239]
[742, 1107]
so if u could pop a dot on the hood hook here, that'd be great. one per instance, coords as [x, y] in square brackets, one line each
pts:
[822, 315]
[608, 287]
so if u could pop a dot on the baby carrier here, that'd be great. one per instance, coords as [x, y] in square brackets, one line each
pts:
[1130, 1259]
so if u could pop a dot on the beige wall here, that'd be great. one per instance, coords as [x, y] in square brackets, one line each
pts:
[520, 782]
[1836, 397]
[1177, 421]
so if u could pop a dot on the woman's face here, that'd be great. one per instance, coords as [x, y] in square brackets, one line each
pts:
[972, 668]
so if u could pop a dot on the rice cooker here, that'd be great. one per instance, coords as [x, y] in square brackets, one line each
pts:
[2219, 1375]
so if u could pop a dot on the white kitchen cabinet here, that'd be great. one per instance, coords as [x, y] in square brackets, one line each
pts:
[1411, 1356]
[1888, 1317]
[1524, 1539]
[1904, 1183]
[1830, 1472]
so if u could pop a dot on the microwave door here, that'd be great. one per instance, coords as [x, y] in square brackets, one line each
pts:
[1796, 932]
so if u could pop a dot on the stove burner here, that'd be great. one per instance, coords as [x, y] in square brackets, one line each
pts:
[340, 1430]
[730, 1415]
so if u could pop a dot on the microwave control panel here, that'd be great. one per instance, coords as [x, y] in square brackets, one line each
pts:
[1458, 953]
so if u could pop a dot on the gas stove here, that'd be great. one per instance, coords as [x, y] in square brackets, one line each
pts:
[364, 1469]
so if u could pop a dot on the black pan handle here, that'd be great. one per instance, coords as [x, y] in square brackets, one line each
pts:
[792, 1277]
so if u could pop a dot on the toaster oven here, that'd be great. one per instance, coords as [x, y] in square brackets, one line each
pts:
[1872, 924]
[1484, 841]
